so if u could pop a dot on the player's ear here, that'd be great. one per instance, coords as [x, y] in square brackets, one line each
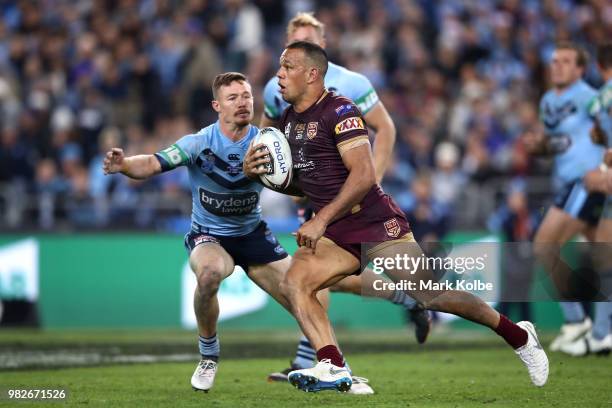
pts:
[215, 105]
[313, 74]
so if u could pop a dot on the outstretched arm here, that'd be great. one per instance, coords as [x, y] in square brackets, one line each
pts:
[137, 167]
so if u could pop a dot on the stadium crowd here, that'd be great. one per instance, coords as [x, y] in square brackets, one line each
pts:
[461, 80]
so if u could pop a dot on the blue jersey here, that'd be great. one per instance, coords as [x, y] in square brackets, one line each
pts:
[601, 110]
[566, 118]
[338, 79]
[224, 200]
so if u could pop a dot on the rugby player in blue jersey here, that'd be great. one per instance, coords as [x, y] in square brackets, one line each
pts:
[226, 228]
[564, 111]
[599, 339]
[355, 86]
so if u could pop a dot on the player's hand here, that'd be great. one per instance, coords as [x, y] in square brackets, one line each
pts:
[533, 141]
[253, 159]
[113, 161]
[310, 232]
[597, 134]
[594, 180]
[608, 158]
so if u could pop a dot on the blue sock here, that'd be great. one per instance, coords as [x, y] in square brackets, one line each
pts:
[305, 355]
[603, 314]
[400, 298]
[209, 347]
[573, 312]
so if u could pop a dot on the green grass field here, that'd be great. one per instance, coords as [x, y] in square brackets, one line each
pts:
[455, 370]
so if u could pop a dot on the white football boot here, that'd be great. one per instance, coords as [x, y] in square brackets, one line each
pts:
[360, 386]
[587, 345]
[571, 332]
[204, 375]
[323, 376]
[533, 356]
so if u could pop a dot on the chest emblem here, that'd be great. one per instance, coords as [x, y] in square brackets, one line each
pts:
[311, 130]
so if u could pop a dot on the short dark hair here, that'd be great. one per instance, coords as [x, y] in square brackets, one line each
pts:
[582, 57]
[314, 52]
[604, 55]
[225, 79]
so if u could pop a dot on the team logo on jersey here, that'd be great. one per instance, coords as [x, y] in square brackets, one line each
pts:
[392, 227]
[344, 109]
[348, 124]
[311, 130]
[234, 163]
[299, 131]
[207, 164]
[553, 116]
[287, 130]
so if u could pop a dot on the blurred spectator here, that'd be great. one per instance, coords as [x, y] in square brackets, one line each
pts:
[464, 73]
[429, 219]
[517, 224]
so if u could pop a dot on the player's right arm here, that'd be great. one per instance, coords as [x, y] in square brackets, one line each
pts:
[181, 153]
[139, 167]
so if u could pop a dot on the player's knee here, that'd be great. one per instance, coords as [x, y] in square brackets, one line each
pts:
[209, 277]
[291, 288]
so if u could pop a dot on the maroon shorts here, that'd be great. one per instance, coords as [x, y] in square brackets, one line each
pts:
[377, 220]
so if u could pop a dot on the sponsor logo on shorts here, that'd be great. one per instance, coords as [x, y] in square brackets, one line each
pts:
[348, 124]
[299, 131]
[393, 228]
[311, 130]
[279, 250]
[226, 204]
[203, 239]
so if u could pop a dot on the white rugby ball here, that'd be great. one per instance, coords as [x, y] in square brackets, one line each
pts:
[280, 168]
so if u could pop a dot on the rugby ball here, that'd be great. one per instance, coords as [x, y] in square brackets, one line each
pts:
[280, 169]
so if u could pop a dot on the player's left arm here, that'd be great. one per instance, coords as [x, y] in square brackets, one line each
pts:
[361, 178]
[379, 119]
[600, 179]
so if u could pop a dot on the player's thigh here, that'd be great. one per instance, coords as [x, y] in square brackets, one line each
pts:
[210, 262]
[403, 261]
[558, 227]
[269, 276]
[315, 271]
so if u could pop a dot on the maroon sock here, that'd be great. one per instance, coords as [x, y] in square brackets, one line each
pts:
[514, 335]
[331, 352]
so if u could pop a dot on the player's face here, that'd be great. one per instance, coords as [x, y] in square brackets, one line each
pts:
[235, 103]
[563, 68]
[292, 75]
[306, 33]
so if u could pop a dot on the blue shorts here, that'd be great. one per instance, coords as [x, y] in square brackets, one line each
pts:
[255, 248]
[575, 200]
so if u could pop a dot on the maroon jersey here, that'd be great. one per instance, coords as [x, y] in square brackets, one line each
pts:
[317, 138]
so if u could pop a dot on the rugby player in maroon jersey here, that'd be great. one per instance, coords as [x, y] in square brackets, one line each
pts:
[333, 167]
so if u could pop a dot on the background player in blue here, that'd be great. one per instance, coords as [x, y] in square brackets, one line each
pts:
[567, 126]
[599, 339]
[227, 229]
[355, 86]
